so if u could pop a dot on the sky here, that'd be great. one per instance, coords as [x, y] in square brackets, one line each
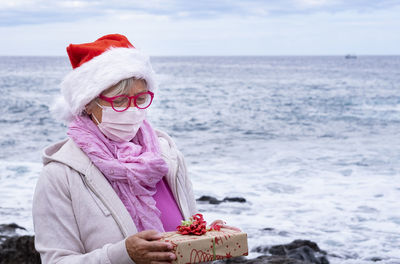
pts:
[204, 28]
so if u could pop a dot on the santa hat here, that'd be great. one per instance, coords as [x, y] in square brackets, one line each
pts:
[96, 67]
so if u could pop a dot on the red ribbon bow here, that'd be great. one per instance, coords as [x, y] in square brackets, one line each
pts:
[196, 226]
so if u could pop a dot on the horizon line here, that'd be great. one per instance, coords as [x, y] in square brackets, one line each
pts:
[244, 55]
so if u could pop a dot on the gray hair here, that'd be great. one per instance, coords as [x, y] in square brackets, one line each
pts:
[122, 87]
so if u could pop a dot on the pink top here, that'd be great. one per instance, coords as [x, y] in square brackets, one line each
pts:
[165, 202]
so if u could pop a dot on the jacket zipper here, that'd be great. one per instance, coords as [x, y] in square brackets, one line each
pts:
[105, 204]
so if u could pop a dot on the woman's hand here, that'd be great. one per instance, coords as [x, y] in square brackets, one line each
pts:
[223, 225]
[143, 249]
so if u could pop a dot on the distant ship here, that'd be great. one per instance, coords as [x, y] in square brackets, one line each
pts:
[350, 56]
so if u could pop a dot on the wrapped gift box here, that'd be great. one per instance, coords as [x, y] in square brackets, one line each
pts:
[213, 245]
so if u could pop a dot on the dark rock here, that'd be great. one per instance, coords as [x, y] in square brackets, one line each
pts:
[19, 249]
[15, 248]
[267, 229]
[7, 230]
[323, 260]
[234, 199]
[10, 228]
[261, 249]
[275, 260]
[281, 249]
[213, 200]
[263, 260]
[303, 253]
[210, 199]
[302, 250]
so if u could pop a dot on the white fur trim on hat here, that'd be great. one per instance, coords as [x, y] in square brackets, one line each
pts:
[87, 81]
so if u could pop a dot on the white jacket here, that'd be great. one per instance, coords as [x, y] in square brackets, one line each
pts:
[78, 217]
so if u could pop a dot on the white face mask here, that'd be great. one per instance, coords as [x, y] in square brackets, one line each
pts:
[120, 126]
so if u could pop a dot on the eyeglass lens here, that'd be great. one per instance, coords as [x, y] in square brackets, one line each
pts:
[122, 102]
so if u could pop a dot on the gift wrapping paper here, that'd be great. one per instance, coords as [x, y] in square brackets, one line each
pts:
[213, 245]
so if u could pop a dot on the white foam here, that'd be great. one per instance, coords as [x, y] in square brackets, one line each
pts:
[17, 183]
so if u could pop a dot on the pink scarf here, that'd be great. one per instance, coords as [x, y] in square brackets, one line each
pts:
[132, 168]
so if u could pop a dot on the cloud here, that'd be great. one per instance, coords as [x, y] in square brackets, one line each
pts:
[171, 27]
[22, 12]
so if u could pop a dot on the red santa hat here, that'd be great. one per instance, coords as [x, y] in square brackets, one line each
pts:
[96, 67]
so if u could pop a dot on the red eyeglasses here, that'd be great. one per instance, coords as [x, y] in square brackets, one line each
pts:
[122, 102]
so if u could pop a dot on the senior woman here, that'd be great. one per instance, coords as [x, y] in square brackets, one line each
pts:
[107, 191]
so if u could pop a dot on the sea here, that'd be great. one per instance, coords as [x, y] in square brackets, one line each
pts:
[311, 142]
